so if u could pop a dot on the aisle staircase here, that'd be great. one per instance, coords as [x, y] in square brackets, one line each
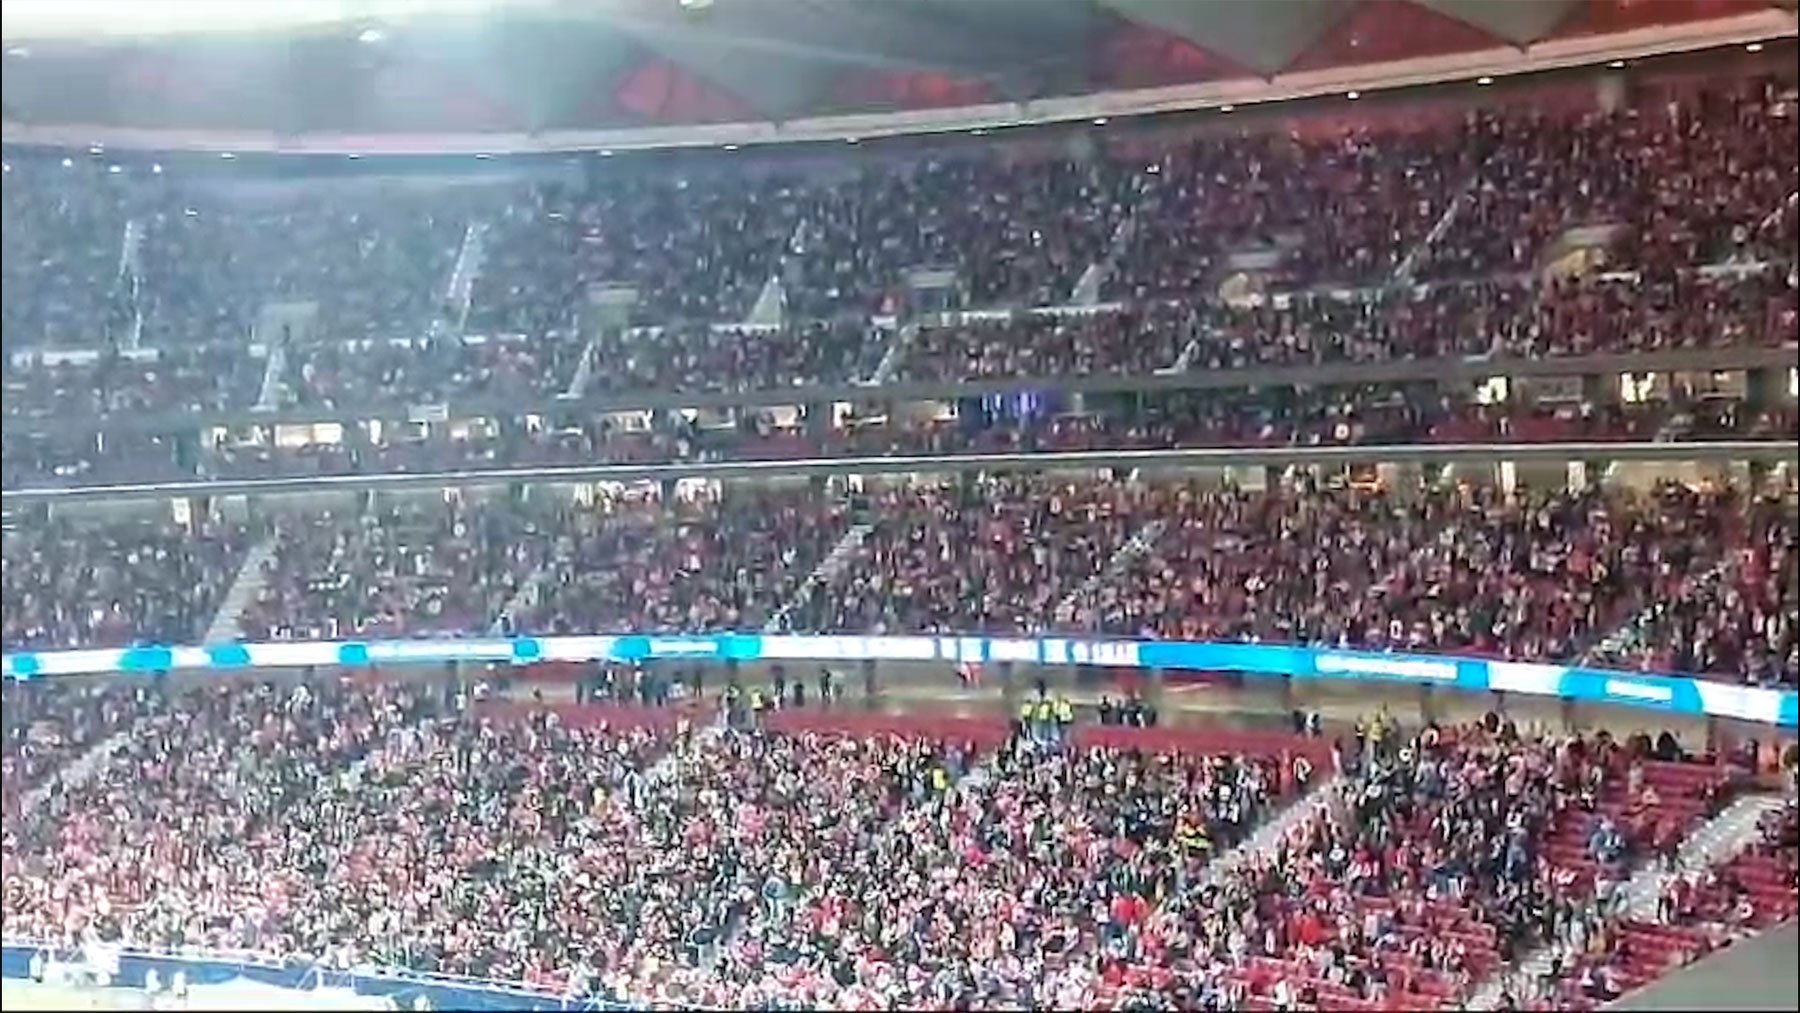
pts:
[1403, 271]
[525, 596]
[1262, 845]
[1712, 843]
[73, 774]
[459, 290]
[268, 395]
[898, 345]
[1124, 556]
[828, 568]
[243, 590]
[770, 307]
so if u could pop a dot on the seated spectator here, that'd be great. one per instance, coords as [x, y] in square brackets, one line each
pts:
[115, 584]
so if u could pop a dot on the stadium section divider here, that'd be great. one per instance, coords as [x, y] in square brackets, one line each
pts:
[1675, 694]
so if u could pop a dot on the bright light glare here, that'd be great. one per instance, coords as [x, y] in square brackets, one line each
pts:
[36, 19]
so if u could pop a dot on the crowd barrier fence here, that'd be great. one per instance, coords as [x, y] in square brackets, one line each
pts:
[1674, 694]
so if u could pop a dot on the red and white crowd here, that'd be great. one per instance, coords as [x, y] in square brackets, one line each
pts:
[1677, 578]
[655, 856]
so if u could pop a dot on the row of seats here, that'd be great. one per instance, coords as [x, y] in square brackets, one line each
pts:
[1757, 309]
[1699, 910]
[1530, 575]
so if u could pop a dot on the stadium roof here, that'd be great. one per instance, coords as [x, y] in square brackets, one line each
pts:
[528, 68]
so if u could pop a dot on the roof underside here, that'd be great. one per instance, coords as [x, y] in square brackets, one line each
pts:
[577, 64]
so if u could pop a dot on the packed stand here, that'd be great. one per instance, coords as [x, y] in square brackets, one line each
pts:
[696, 247]
[1417, 883]
[393, 824]
[1475, 572]
[1014, 231]
[48, 390]
[60, 261]
[1694, 174]
[1741, 617]
[199, 828]
[1133, 342]
[409, 568]
[376, 263]
[689, 359]
[115, 584]
[50, 725]
[995, 557]
[1335, 204]
[1760, 309]
[725, 560]
[1031, 883]
[504, 370]
[69, 457]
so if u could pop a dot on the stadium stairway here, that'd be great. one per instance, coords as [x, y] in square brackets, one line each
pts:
[243, 590]
[828, 568]
[74, 773]
[1134, 547]
[1403, 271]
[770, 307]
[898, 345]
[525, 597]
[268, 394]
[1710, 844]
[1262, 845]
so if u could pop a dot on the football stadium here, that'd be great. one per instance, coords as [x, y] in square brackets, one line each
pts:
[1134, 505]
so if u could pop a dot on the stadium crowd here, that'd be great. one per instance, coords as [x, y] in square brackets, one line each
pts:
[656, 856]
[114, 584]
[1695, 207]
[1673, 578]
